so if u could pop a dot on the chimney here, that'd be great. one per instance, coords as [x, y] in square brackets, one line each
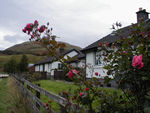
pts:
[142, 15]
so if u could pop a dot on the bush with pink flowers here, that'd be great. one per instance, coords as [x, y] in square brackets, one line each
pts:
[127, 60]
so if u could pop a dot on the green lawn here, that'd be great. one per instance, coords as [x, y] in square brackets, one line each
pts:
[55, 87]
[4, 104]
[11, 101]
[59, 86]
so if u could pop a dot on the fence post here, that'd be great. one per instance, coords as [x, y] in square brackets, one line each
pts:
[38, 96]
[62, 109]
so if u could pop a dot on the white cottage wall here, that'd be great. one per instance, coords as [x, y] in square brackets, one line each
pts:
[91, 68]
[81, 63]
[90, 62]
[41, 68]
[37, 68]
[46, 67]
[54, 65]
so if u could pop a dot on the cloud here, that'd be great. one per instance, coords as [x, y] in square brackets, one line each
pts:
[14, 38]
[1, 48]
[72, 20]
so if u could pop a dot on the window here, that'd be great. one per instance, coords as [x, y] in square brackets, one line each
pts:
[60, 66]
[98, 58]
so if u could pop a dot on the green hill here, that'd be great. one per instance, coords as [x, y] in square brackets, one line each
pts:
[35, 49]
[34, 52]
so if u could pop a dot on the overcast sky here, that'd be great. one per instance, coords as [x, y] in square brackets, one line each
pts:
[78, 22]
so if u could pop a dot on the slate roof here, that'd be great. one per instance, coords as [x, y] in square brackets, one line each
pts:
[52, 58]
[108, 38]
[113, 37]
[48, 60]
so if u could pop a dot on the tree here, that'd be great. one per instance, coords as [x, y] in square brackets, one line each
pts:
[10, 66]
[23, 64]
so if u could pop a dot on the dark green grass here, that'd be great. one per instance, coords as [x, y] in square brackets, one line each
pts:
[11, 101]
[3, 97]
[55, 87]
[59, 86]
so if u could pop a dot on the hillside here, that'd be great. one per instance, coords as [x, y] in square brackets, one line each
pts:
[33, 48]
[31, 59]
[33, 51]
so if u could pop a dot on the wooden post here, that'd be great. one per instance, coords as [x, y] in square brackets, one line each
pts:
[38, 96]
[62, 109]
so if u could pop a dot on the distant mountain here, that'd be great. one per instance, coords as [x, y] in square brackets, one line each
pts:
[33, 48]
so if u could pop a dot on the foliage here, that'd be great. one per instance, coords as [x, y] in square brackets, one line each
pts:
[126, 60]
[34, 76]
[61, 86]
[23, 64]
[31, 59]
[129, 64]
[11, 66]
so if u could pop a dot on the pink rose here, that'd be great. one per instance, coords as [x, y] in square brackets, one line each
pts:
[81, 94]
[46, 104]
[86, 89]
[137, 61]
[74, 71]
[70, 74]
[124, 52]
[96, 73]
[41, 29]
[74, 98]
[24, 30]
[29, 26]
[32, 36]
[35, 22]
[28, 32]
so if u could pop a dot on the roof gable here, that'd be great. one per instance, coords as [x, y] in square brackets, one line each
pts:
[71, 53]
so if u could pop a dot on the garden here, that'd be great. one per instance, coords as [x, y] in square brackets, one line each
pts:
[126, 61]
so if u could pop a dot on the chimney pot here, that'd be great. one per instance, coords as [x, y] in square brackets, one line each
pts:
[142, 15]
[140, 9]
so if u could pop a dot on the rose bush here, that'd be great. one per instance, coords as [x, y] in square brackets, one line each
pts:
[129, 64]
[127, 60]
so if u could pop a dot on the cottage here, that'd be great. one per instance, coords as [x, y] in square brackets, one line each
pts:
[91, 51]
[51, 64]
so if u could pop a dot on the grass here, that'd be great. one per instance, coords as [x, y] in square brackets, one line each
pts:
[55, 87]
[3, 92]
[11, 100]
[60, 86]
